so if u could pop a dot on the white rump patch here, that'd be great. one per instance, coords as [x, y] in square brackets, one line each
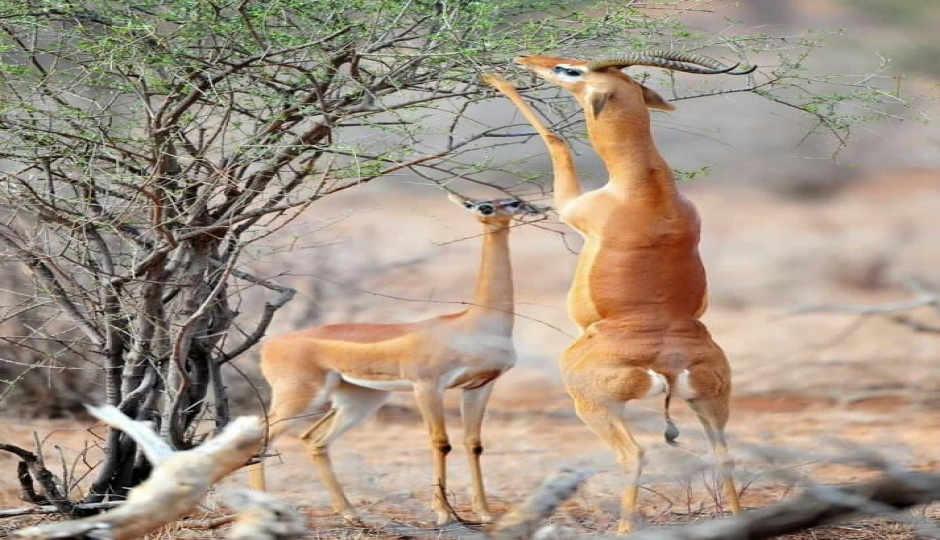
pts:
[658, 384]
[683, 389]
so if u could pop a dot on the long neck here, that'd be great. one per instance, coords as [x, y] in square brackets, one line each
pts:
[622, 139]
[494, 291]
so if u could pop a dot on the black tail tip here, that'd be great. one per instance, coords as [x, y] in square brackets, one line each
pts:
[671, 433]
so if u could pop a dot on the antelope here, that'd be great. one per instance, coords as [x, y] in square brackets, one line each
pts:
[342, 373]
[639, 287]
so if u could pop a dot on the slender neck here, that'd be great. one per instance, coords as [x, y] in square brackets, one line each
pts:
[494, 291]
[622, 138]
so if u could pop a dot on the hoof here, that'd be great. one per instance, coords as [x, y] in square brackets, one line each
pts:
[630, 525]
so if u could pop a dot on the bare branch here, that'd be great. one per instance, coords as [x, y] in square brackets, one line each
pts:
[897, 490]
[924, 297]
[179, 481]
[42, 475]
[47, 510]
[285, 294]
[920, 301]
[56, 291]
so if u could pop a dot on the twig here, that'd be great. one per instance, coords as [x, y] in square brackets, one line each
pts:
[924, 297]
[916, 326]
[866, 309]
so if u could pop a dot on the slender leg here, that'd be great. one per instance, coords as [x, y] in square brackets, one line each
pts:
[351, 405]
[472, 406]
[567, 185]
[256, 476]
[292, 404]
[430, 400]
[275, 428]
[606, 420]
[713, 414]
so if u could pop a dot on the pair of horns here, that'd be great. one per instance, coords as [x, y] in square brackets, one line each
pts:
[674, 60]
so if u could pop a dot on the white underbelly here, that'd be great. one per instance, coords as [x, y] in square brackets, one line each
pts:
[387, 385]
[446, 380]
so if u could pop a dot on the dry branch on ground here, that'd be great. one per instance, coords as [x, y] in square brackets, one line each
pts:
[261, 516]
[818, 505]
[178, 483]
[522, 521]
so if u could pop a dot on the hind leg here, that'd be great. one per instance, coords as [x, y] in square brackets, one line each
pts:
[293, 402]
[600, 395]
[712, 412]
[351, 405]
[606, 420]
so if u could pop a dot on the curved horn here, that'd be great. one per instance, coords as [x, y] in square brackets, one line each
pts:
[692, 58]
[674, 60]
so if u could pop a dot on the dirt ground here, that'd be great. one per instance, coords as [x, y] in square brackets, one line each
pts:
[814, 392]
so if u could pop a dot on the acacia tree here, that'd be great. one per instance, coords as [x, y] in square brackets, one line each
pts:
[147, 145]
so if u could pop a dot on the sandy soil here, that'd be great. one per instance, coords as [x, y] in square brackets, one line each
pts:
[813, 391]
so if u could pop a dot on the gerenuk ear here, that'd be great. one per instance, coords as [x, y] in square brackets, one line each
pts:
[596, 99]
[656, 101]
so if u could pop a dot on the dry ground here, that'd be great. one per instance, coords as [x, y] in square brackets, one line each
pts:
[811, 390]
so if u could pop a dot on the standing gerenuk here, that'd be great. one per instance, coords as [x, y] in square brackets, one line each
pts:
[639, 287]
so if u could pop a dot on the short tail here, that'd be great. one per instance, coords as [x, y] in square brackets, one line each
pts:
[672, 432]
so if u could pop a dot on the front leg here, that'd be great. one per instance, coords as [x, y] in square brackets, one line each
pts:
[567, 185]
[472, 406]
[430, 400]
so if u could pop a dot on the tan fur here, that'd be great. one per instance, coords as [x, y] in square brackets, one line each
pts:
[639, 285]
[332, 377]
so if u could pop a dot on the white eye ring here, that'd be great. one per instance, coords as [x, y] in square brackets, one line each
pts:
[567, 71]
